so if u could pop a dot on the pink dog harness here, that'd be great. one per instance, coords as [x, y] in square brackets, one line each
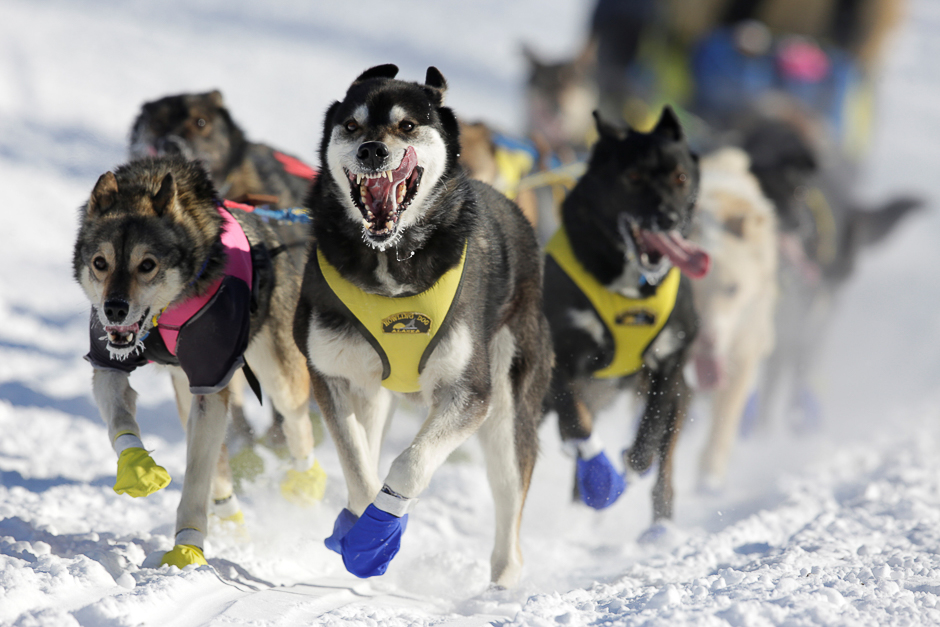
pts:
[238, 251]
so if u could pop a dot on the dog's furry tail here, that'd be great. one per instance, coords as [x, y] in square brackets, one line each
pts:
[871, 226]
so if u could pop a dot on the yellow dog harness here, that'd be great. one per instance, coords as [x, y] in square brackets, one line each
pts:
[403, 330]
[633, 323]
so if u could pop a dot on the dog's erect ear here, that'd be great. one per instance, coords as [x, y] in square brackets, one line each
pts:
[435, 79]
[607, 130]
[164, 198]
[668, 125]
[586, 59]
[389, 70]
[102, 196]
[215, 98]
[531, 57]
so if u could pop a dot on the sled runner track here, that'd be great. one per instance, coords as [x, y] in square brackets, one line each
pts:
[260, 600]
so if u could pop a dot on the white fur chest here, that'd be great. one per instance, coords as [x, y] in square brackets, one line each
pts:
[345, 354]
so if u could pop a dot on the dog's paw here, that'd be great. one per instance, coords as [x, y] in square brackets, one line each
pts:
[341, 527]
[227, 518]
[138, 475]
[599, 483]
[183, 555]
[372, 542]
[662, 535]
[304, 488]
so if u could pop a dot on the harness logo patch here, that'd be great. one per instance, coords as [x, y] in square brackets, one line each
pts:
[407, 322]
[636, 318]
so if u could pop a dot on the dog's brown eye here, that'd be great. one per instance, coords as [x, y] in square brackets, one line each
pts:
[147, 265]
[407, 126]
[200, 122]
[681, 177]
[100, 264]
[351, 126]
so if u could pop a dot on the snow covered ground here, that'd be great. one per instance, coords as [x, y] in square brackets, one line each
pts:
[837, 527]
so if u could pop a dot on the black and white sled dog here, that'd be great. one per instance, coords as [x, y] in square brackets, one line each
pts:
[619, 301]
[176, 278]
[425, 284]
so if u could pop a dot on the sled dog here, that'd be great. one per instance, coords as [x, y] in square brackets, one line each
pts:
[619, 302]
[421, 284]
[176, 278]
[200, 127]
[823, 232]
[736, 301]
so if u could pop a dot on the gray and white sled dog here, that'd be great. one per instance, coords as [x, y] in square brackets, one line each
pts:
[175, 277]
[422, 284]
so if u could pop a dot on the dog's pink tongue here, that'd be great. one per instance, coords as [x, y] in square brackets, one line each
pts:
[690, 258]
[383, 191]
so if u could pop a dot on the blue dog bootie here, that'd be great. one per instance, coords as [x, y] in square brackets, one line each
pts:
[599, 483]
[371, 542]
[344, 522]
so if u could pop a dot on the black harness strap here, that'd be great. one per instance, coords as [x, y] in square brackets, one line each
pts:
[252, 381]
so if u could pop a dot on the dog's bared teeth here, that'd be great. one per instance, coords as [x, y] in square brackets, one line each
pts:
[358, 179]
[400, 192]
[388, 173]
[366, 223]
[389, 225]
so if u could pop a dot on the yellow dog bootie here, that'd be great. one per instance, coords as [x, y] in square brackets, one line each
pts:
[230, 518]
[182, 555]
[138, 475]
[304, 487]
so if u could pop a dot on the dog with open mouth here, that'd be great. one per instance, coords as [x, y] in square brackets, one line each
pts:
[177, 278]
[619, 301]
[421, 284]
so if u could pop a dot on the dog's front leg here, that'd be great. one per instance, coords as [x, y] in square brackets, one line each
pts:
[137, 473]
[598, 483]
[668, 399]
[374, 539]
[727, 411]
[205, 431]
[453, 418]
[351, 439]
[226, 505]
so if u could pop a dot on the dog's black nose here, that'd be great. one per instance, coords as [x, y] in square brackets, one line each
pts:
[115, 310]
[372, 154]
